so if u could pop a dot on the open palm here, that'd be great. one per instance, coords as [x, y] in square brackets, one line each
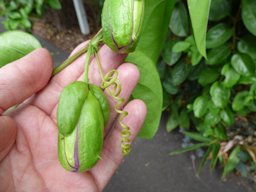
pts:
[28, 136]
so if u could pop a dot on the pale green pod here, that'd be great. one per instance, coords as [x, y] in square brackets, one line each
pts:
[97, 92]
[121, 24]
[80, 148]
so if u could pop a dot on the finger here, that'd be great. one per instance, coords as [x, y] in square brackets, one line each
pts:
[48, 99]
[24, 77]
[111, 156]
[7, 135]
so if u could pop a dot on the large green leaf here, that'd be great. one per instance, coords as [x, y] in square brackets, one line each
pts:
[249, 15]
[155, 27]
[199, 12]
[220, 9]
[149, 90]
[227, 116]
[218, 35]
[220, 95]
[16, 44]
[243, 64]
[179, 20]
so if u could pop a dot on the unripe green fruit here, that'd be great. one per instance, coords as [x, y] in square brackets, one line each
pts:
[81, 117]
[121, 24]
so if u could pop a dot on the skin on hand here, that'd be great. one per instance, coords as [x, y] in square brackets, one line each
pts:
[28, 136]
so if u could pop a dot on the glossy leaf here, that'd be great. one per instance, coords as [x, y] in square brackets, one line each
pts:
[220, 95]
[179, 73]
[243, 64]
[200, 106]
[180, 46]
[179, 20]
[247, 45]
[220, 9]
[249, 15]
[231, 76]
[208, 76]
[199, 12]
[227, 116]
[16, 44]
[218, 55]
[218, 35]
[149, 90]
[232, 162]
[169, 56]
[239, 100]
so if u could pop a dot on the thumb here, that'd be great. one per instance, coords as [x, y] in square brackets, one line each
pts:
[7, 135]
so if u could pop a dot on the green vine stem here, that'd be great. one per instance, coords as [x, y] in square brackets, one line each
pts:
[93, 42]
[111, 79]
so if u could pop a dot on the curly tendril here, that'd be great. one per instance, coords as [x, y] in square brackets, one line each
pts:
[111, 79]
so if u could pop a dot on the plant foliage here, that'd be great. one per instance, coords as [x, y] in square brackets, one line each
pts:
[209, 79]
[17, 13]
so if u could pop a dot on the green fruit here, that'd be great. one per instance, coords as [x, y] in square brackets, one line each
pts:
[82, 114]
[121, 24]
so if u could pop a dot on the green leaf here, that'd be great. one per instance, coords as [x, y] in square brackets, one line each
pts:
[199, 12]
[16, 44]
[232, 162]
[215, 152]
[220, 95]
[149, 90]
[179, 20]
[170, 88]
[200, 106]
[55, 4]
[231, 76]
[190, 148]
[184, 120]
[249, 15]
[220, 9]
[180, 46]
[218, 35]
[227, 116]
[166, 100]
[218, 55]
[239, 100]
[195, 56]
[208, 76]
[155, 27]
[243, 64]
[173, 119]
[169, 56]
[247, 45]
[180, 72]
[205, 157]
[197, 137]
[220, 133]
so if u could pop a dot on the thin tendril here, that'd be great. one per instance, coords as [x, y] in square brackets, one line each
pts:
[111, 79]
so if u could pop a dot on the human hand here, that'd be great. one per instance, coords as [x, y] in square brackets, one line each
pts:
[28, 136]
